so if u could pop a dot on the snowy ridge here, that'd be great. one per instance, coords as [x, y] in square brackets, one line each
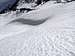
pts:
[55, 37]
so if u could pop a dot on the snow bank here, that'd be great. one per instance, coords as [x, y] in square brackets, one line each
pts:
[55, 37]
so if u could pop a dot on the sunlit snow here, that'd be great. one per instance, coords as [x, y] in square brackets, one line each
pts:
[54, 37]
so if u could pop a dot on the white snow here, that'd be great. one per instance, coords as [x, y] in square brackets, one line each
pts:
[54, 37]
[26, 5]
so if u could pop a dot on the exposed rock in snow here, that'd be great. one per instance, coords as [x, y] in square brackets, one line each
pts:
[6, 5]
[54, 37]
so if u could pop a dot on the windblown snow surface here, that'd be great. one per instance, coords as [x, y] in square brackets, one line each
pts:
[53, 37]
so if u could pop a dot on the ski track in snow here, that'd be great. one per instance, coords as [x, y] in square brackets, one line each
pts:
[55, 37]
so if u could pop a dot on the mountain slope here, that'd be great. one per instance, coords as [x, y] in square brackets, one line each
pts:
[54, 37]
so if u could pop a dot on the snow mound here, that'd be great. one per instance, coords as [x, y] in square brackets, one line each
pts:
[54, 37]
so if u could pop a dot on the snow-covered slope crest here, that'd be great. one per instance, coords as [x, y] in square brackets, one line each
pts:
[55, 37]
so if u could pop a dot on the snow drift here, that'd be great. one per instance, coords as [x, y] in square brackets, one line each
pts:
[54, 37]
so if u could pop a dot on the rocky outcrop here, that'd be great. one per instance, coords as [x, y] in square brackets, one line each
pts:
[7, 5]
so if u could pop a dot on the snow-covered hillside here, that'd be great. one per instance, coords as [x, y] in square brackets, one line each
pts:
[53, 37]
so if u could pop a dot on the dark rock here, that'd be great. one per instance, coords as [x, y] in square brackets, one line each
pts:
[6, 5]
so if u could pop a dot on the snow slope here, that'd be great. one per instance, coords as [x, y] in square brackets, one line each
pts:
[54, 37]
